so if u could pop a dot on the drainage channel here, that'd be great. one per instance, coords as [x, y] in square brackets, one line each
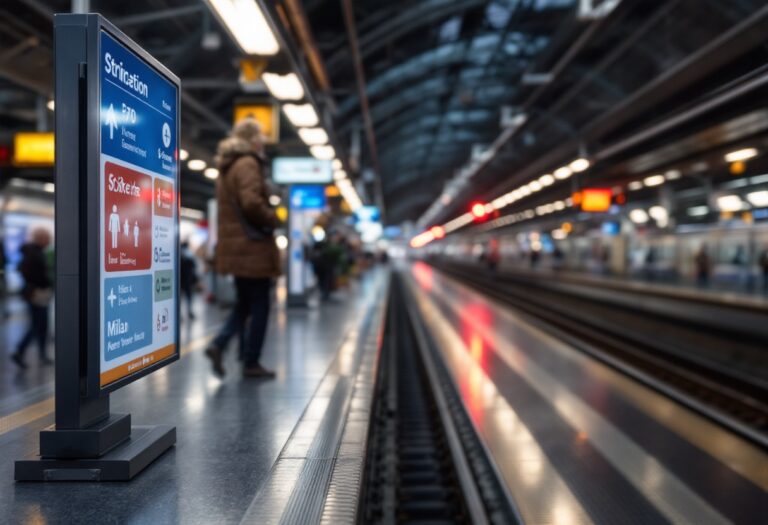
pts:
[418, 470]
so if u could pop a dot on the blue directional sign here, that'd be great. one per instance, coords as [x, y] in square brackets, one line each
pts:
[307, 197]
[138, 111]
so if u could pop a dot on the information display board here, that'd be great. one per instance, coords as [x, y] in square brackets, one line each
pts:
[301, 170]
[139, 223]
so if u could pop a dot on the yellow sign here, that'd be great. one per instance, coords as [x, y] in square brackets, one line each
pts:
[33, 149]
[267, 117]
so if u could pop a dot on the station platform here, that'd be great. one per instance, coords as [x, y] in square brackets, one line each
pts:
[574, 440]
[243, 444]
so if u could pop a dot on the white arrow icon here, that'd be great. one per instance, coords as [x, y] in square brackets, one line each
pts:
[111, 121]
[111, 297]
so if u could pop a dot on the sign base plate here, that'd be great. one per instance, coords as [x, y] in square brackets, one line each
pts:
[122, 463]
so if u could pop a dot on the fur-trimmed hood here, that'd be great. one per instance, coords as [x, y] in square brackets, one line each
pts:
[232, 148]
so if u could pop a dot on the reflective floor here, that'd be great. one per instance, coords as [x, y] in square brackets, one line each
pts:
[230, 432]
[575, 441]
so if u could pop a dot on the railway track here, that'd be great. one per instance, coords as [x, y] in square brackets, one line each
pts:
[626, 341]
[425, 464]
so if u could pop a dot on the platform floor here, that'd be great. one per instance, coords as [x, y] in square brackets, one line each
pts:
[575, 441]
[230, 431]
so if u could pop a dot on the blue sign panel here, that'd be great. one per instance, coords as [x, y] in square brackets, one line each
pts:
[127, 315]
[138, 111]
[307, 197]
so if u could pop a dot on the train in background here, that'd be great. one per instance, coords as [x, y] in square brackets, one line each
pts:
[734, 252]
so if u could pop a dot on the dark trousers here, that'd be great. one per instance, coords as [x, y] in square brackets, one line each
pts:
[186, 292]
[37, 331]
[253, 299]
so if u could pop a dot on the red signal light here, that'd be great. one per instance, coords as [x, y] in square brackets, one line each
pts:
[478, 210]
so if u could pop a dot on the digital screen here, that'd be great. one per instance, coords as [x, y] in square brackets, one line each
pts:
[139, 220]
[301, 170]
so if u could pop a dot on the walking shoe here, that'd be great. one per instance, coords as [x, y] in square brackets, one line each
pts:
[16, 358]
[214, 354]
[258, 371]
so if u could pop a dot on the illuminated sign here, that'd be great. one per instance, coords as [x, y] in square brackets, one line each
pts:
[301, 170]
[33, 149]
[267, 117]
[139, 222]
[595, 199]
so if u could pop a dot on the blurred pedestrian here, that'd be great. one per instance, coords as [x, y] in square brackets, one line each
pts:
[702, 266]
[246, 245]
[764, 267]
[187, 277]
[37, 293]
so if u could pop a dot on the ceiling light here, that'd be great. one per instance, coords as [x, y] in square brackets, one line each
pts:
[729, 203]
[698, 211]
[313, 136]
[654, 180]
[535, 186]
[322, 152]
[559, 205]
[635, 185]
[284, 87]
[758, 199]
[563, 173]
[546, 180]
[658, 212]
[183, 154]
[51, 105]
[336, 164]
[196, 165]
[638, 216]
[247, 25]
[211, 173]
[742, 154]
[339, 175]
[524, 191]
[673, 174]
[301, 115]
[579, 165]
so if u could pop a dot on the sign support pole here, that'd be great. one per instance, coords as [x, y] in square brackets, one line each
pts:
[87, 442]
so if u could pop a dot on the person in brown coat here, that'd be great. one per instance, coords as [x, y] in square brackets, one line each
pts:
[246, 246]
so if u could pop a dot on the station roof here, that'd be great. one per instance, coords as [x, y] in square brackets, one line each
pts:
[435, 76]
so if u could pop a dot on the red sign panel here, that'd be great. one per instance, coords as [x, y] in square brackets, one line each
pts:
[163, 201]
[128, 219]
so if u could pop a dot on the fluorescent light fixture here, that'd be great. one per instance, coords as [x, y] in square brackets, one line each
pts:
[183, 154]
[275, 200]
[534, 186]
[546, 180]
[635, 185]
[247, 25]
[658, 212]
[49, 187]
[196, 165]
[301, 115]
[336, 164]
[759, 199]
[322, 152]
[698, 211]
[673, 174]
[524, 191]
[51, 105]
[563, 173]
[579, 165]
[638, 216]
[729, 203]
[313, 136]
[559, 205]
[742, 154]
[654, 180]
[211, 173]
[284, 87]
[339, 175]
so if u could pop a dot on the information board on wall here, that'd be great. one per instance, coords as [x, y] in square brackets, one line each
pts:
[138, 213]
[301, 170]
